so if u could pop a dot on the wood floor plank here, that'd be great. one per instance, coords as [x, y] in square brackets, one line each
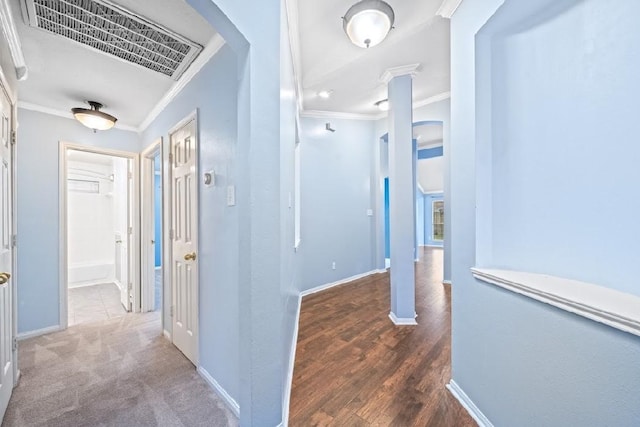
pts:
[354, 367]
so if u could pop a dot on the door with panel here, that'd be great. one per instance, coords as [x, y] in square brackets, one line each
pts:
[6, 254]
[184, 238]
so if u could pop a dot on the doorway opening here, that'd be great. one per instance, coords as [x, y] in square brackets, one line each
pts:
[152, 224]
[98, 235]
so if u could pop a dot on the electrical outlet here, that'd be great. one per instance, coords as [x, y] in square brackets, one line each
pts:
[369, 212]
[333, 265]
[231, 195]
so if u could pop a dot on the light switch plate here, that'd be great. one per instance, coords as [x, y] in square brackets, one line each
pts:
[369, 212]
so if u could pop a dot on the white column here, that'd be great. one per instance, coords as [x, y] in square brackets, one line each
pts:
[402, 195]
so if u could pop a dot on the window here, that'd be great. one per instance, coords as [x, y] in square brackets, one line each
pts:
[438, 220]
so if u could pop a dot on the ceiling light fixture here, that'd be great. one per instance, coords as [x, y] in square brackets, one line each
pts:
[325, 94]
[93, 118]
[383, 105]
[368, 22]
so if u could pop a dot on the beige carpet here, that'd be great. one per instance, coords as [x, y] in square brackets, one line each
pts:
[119, 372]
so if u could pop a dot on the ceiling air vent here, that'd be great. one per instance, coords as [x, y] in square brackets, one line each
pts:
[108, 28]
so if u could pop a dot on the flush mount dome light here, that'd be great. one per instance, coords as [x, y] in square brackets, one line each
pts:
[93, 118]
[368, 22]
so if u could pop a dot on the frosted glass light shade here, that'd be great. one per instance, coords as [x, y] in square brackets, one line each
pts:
[368, 22]
[94, 118]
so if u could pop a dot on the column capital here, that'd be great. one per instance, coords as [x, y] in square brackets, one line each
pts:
[411, 69]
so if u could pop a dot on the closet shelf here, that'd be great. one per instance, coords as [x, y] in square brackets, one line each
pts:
[617, 309]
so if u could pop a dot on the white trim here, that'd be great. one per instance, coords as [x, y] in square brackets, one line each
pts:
[446, 282]
[147, 231]
[291, 8]
[318, 114]
[167, 334]
[226, 397]
[617, 309]
[65, 114]
[292, 358]
[62, 224]
[448, 8]
[11, 34]
[421, 189]
[402, 321]
[432, 100]
[403, 70]
[339, 282]
[215, 44]
[4, 83]
[36, 333]
[468, 404]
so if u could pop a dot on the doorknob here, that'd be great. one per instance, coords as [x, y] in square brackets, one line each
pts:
[191, 256]
[4, 278]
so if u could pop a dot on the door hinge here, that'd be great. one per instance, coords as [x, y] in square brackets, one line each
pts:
[14, 241]
[170, 157]
[14, 345]
[170, 234]
[130, 230]
[14, 137]
[171, 311]
[129, 175]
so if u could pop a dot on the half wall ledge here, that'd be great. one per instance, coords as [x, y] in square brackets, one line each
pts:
[617, 309]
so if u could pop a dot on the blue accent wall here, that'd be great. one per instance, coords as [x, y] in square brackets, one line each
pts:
[429, 153]
[387, 239]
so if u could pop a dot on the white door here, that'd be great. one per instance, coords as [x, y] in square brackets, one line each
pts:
[6, 319]
[184, 217]
[122, 200]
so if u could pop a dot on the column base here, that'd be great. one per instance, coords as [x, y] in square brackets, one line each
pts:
[403, 321]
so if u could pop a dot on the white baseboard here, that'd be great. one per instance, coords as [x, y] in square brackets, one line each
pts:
[292, 358]
[402, 321]
[230, 401]
[166, 334]
[468, 404]
[339, 282]
[446, 282]
[30, 334]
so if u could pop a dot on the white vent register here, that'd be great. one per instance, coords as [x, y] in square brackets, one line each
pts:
[111, 29]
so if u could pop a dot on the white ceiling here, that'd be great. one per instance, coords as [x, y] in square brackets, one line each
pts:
[329, 61]
[431, 174]
[428, 135]
[63, 74]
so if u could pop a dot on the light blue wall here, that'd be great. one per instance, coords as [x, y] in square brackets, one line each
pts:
[428, 218]
[435, 112]
[38, 208]
[290, 260]
[336, 193]
[213, 91]
[566, 78]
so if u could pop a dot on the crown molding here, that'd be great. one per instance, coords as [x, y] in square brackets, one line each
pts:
[11, 34]
[65, 114]
[294, 46]
[448, 8]
[317, 114]
[411, 69]
[7, 87]
[432, 99]
[214, 45]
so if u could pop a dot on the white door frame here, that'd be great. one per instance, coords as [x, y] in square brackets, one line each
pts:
[147, 233]
[134, 252]
[167, 246]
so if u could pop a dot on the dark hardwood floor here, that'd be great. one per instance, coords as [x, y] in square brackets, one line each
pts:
[354, 367]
